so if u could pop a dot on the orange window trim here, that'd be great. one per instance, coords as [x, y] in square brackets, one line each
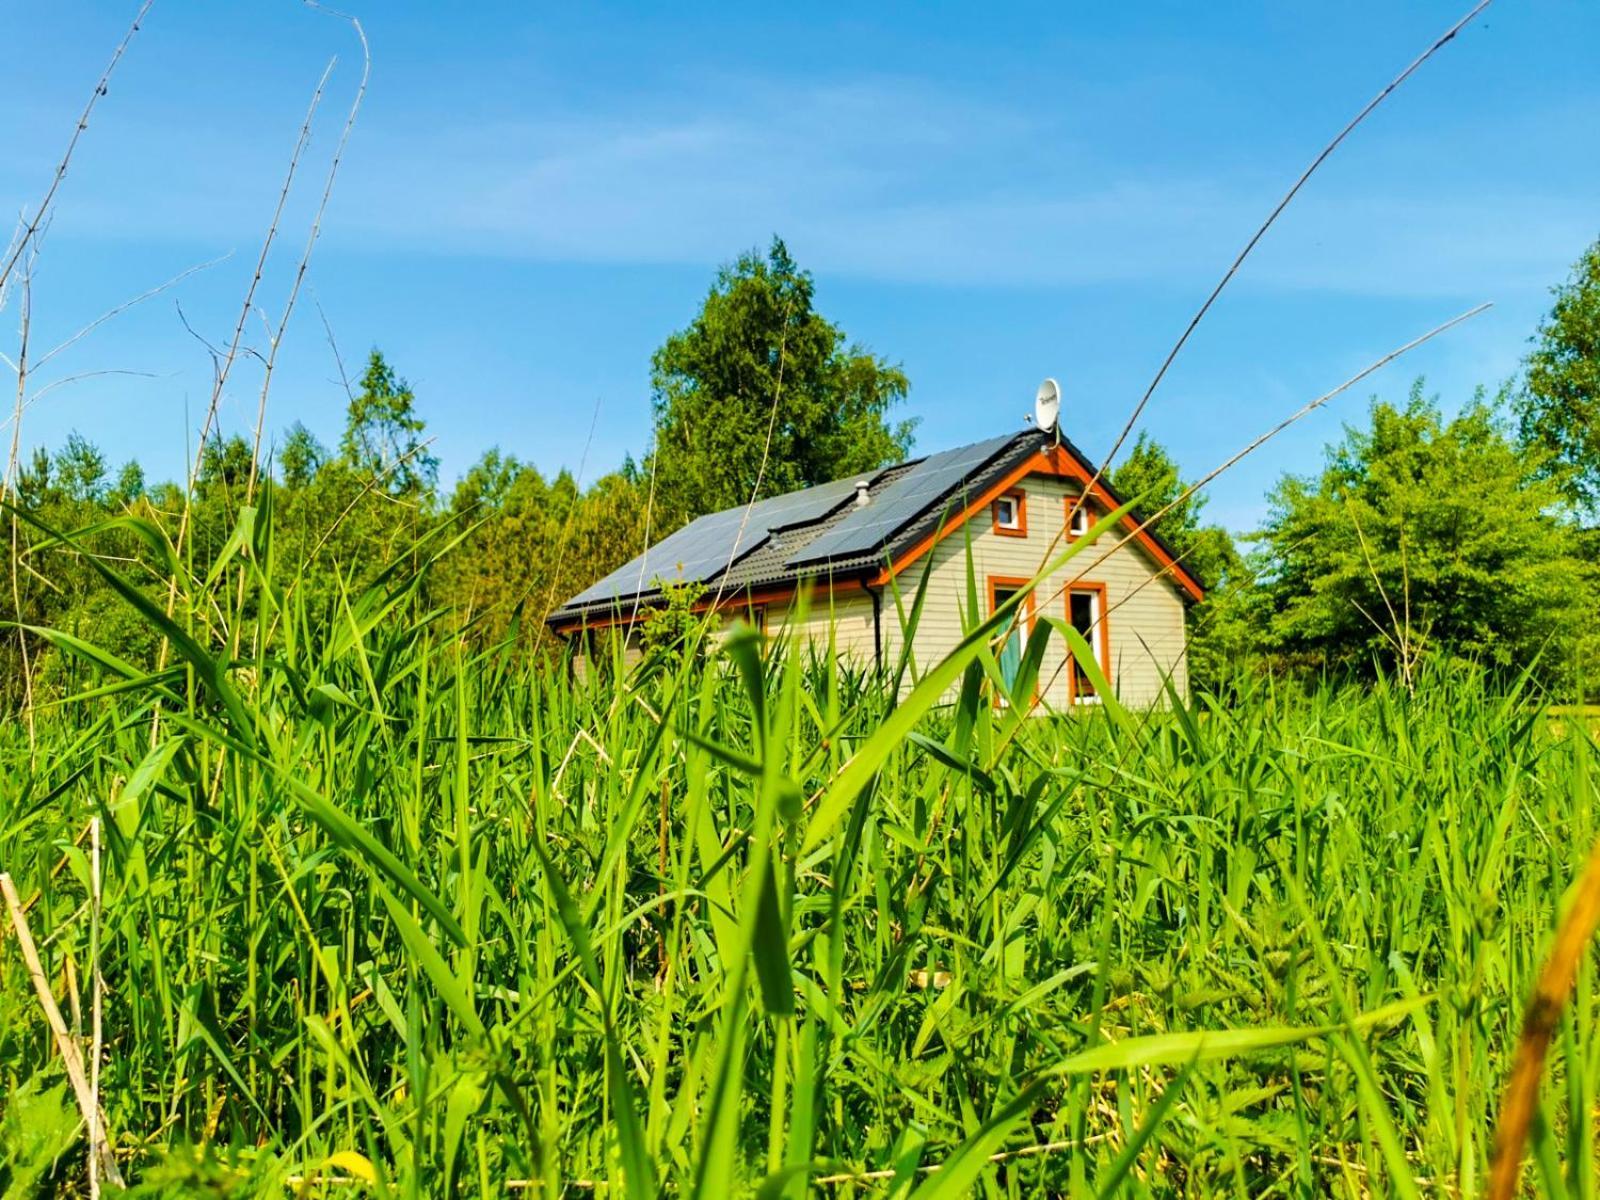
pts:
[998, 583]
[1104, 638]
[1019, 500]
[1055, 461]
[1011, 583]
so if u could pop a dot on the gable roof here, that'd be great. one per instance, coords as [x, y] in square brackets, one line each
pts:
[822, 532]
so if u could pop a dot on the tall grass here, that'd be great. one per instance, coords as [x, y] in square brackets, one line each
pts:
[383, 914]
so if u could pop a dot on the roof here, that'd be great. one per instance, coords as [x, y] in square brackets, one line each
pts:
[822, 531]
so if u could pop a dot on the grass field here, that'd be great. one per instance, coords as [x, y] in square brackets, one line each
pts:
[379, 917]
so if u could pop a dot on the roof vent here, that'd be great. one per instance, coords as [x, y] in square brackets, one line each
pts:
[861, 493]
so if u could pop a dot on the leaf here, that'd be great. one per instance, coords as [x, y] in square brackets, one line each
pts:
[769, 946]
[126, 811]
[351, 1163]
[961, 1170]
[452, 991]
[1207, 1044]
[1124, 1162]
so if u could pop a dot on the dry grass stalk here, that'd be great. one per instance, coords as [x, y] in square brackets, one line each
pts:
[1138, 409]
[71, 1053]
[311, 241]
[37, 222]
[1521, 1100]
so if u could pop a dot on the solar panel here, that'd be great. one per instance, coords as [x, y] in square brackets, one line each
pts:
[705, 547]
[870, 527]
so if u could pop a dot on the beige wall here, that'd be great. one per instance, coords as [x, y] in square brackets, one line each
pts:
[844, 616]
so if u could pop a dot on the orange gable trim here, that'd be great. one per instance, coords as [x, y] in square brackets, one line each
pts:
[1058, 462]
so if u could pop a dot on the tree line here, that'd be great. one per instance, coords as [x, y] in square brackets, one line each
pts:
[1424, 533]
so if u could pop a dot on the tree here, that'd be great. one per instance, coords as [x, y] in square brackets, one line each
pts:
[761, 395]
[302, 456]
[225, 463]
[130, 483]
[1149, 478]
[80, 470]
[1424, 535]
[531, 544]
[383, 434]
[1558, 407]
[1220, 635]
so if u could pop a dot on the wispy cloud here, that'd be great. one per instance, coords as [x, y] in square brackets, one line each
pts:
[881, 178]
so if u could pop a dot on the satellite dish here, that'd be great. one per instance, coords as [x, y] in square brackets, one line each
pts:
[1047, 406]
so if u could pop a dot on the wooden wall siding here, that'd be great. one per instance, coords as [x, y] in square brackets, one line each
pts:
[847, 619]
[1145, 615]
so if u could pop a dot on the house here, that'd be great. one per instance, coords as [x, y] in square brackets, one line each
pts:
[860, 546]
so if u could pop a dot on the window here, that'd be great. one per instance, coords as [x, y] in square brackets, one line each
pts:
[1001, 590]
[1079, 518]
[1011, 515]
[1086, 612]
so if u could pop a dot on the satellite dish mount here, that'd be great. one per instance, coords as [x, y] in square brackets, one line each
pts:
[1047, 408]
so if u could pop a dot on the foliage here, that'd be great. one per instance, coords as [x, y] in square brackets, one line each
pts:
[1559, 405]
[383, 434]
[38, 1127]
[302, 456]
[1221, 638]
[670, 626]
[1425, 533]
[761, 395]
[530, 544]
[377, 907]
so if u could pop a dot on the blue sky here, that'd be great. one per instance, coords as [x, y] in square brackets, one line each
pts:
[534, 197]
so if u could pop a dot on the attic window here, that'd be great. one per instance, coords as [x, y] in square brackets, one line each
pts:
[1011, 515]
[1078, 518]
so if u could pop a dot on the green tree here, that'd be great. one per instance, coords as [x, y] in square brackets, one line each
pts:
[130, 483]
[531, 543]
[383, 434]
[225, 463]
[759, 365]
[1424, 534]
[302, 456]
[80, 470]
[1558, 406]
[1149, 477]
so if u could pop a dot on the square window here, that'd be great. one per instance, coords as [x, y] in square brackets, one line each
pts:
[1078, 518]
[1011, 515]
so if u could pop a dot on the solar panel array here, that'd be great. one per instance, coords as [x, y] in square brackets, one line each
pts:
[869, 528]
[705, 547]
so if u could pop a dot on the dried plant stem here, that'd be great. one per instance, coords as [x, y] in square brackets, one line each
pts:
[766, 451]
[31, 229]
[8, 493]
[1521, 1099]
[97, 985]
[224, 365]
[311, 241]
[1272, 217]
[71, 1053]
